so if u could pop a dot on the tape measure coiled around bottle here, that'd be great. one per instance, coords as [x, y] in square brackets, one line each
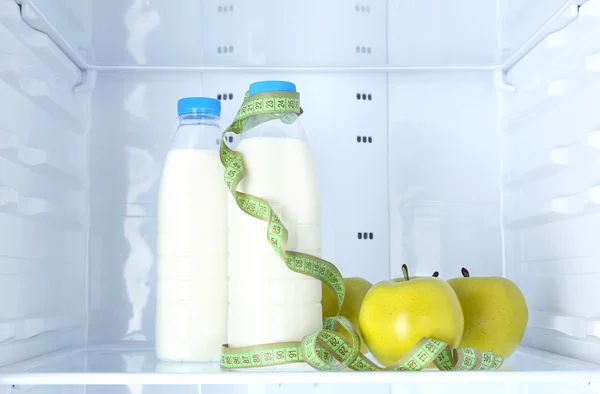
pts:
[327, 349]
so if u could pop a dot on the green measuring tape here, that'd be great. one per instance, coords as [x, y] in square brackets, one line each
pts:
[327, 349]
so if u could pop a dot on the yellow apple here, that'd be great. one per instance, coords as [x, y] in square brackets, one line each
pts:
[356, 288]
[495, 313]
[396, 315]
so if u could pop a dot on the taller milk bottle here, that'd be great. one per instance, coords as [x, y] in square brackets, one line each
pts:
[267, 301]
[191, 301]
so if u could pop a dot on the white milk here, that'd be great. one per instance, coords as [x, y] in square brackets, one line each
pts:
[267, 301]
[191, 303]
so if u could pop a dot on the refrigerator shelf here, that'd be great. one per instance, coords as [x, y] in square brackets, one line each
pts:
[114, 366]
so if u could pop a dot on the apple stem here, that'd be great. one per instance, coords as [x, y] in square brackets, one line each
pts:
[465, 272]
[436, 274]
[405, 272]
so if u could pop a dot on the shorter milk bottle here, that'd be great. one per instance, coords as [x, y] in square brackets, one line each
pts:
[191, 301]
[268, 302]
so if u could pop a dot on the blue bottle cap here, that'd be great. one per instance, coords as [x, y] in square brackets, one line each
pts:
[271, 86]
[198, 105]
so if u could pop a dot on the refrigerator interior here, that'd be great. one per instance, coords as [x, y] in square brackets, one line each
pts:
[452, 133]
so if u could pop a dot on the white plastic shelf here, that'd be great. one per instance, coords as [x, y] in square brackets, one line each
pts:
[48, 95]
[520, 19]
[29, 328]
[40, 44]
[40, 160]
[566, 45]
[39, 209]
[106, 366]
[538, 166]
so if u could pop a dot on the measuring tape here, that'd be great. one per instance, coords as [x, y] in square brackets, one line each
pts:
[327, 349]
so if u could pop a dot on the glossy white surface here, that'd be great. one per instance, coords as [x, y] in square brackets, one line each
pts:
[43, 194]
[444, 168]
[443, 33]
[325, 388]
[271, 33]
[519, 20]
[109, 366]
[551, 186]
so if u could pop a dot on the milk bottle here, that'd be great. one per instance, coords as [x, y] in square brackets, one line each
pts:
[191, 305]
[267, 301]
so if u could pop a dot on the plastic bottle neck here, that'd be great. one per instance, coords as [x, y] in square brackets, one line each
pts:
[199, 119]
